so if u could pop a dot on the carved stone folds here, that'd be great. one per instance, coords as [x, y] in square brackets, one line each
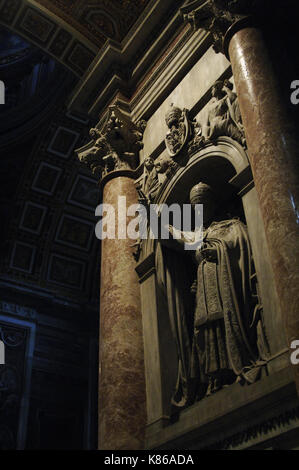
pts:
[224, 117]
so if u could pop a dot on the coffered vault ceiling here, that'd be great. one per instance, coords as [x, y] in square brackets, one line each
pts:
[72, 31]
[47, 201]
[98, 20]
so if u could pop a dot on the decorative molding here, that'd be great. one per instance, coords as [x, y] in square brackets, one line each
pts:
[84, 193]
[35, 26]
[63, 142]
[120, 65]
[97, 22]
[260, 430]
[33, 217]
[46, 179]
[165, 75]
[230, 413]
[19, 310]
[23, 257]
[66, 272]
[75, 232]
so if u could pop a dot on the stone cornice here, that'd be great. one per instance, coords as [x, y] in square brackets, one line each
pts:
[221, 18]
[120, 66]
[166, 75]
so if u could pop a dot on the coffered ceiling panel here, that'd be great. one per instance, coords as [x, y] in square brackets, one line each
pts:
[98, 20]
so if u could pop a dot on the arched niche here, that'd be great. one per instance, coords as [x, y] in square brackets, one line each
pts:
[216, 165]
[226, 168]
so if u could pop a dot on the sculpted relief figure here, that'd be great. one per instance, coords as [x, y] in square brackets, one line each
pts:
[217, 343]
[165, 165]
[224, 118]
[147, 191]
[150, 181]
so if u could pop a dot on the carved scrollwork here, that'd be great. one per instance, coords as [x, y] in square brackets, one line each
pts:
[150, 184]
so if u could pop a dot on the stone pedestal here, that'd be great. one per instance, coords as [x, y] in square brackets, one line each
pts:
[274, 162]
[122, 408]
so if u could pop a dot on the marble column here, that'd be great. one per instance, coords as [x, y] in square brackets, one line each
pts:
[122, 407]
[274, 161]
[113, 156]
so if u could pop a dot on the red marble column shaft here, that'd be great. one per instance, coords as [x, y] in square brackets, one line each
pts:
[122, 407]
[274, 161]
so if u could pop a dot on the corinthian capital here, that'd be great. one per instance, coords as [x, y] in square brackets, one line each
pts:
[115, 145]
[218, 16]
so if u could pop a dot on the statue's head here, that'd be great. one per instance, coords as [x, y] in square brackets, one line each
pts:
[202, 193]
[173, 115]
[149, 163]
[217, 88]
[162, 164]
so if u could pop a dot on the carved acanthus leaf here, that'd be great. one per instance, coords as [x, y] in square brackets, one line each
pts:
[217, 16]
[115, 144]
